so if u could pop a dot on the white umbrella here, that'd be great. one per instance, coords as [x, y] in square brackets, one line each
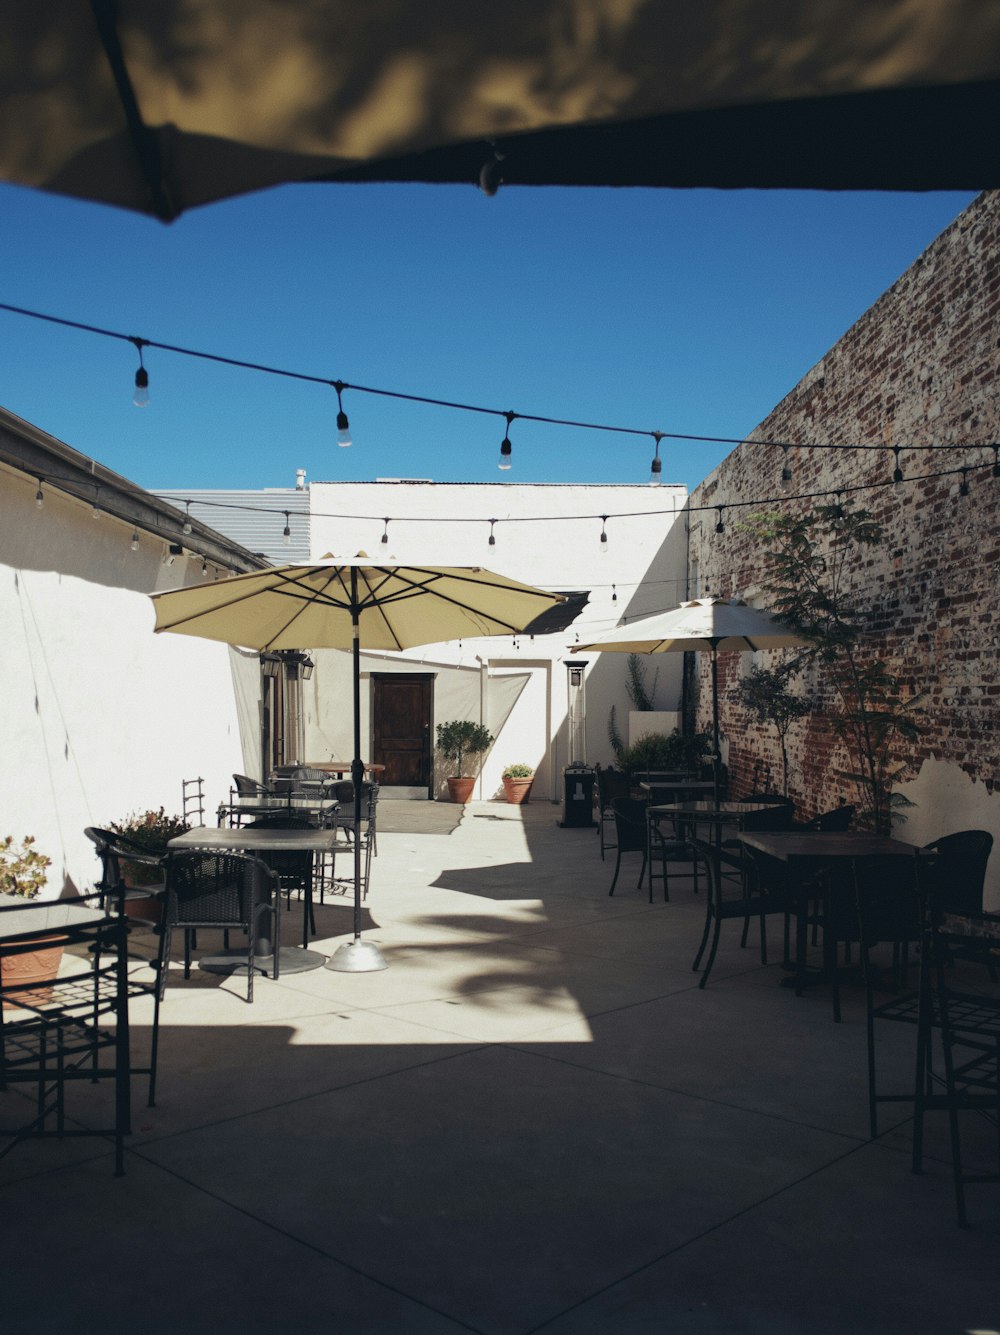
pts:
[340, 605]
[697, 625]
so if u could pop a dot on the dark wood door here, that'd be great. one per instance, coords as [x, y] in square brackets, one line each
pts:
[402, 719]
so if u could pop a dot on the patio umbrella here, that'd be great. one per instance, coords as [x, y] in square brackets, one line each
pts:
[342, 605]
[161, 105]
[697, 625]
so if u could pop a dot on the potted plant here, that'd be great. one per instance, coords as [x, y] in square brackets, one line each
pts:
[23, 874]
[149, 831]
[517, 783]
[456, 740]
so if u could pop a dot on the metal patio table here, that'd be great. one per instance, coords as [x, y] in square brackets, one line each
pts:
[291, 959]
[806, 855]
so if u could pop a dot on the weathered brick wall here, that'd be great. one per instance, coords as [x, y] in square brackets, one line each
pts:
[920, 368]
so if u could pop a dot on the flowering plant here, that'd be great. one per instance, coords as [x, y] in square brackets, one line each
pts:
[22, 867]
[518, 771]
[150, 831]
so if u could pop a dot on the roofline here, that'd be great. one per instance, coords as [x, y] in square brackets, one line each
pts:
[32, 451]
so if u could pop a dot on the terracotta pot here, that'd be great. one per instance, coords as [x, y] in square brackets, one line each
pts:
[460, 790]
[37, 965]
[517, 790]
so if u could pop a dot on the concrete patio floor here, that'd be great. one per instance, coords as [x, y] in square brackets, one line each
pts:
[533, 1120]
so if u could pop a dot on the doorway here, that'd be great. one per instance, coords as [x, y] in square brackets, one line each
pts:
[401, 718]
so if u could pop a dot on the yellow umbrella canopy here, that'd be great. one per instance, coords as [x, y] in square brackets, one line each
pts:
[711, 624]
[318, 606]
[161, 105]
[342, 605]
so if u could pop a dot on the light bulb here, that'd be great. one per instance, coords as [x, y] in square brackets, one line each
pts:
[39, 498]
[504, 463]
[141, 396]
[135, 541]
[655, 471]
[343, 429]
[186, 526]
[287, 532]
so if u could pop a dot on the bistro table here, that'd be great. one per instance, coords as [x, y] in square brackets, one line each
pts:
[806, 855]
[319, 810]
[291, 959]
[701, 811]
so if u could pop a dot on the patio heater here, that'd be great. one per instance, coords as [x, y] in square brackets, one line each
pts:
[578, 777]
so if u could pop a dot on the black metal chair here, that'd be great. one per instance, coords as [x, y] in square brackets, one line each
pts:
[630, 833]
[341, 791]
[611, 784]
[294, 870]
[224, 890]
[113, 849]
[55, 1035]
[960, 860]
[746, 896]
[836, 821]
[667, 848]
[967, 1019]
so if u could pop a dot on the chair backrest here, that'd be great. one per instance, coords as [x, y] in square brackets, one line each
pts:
[247, 787]
[215, 889]
[630, 824]
[957, 869]
[887, 899]
[776, 817]
[833, 822]
[343, 792]
[611, 783]
[111, 848]
[288, 865]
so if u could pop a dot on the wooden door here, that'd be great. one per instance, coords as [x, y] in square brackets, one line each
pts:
[402, 728]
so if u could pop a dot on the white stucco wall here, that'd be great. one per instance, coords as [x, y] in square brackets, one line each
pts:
[99, 717]
[547, 535]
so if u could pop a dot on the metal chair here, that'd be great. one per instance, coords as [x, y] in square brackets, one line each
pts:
[342, 792]
[751, 895]
[113, 849]
[73, 1028]
[631, 834]
[224, 890]
[668, 849]
[293, 870]
[611, 784]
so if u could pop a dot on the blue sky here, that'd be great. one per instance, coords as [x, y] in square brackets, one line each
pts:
[680, 311]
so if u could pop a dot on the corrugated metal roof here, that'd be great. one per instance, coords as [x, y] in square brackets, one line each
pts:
[255, 519]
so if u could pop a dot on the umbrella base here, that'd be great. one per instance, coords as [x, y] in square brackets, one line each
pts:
[291, 959]
[356, 957]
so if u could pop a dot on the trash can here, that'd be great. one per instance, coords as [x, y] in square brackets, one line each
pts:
[578, 798]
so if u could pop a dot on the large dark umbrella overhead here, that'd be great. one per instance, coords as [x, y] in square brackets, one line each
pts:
[161, 105]
[711, 624]
[342, 605]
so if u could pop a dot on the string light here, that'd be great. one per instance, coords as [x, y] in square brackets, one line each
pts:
[505, 446]
[135, 540]
[614, 593]
[963, 486]
[720, 526]
[493, 540]
[286, 532]
[385, 531]
[39, 498]
[343, 425]
[204, 567]
[491, 173]
[786, 471]
[186, 526]
[656, 467]
[140, 395]
[604, 536]
[838, 509]
[305, 377]
[96, 511]
[897, 472]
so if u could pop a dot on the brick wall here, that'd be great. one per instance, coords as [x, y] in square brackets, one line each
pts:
[920, 367]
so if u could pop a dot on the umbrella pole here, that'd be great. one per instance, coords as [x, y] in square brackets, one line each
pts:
[356, 956]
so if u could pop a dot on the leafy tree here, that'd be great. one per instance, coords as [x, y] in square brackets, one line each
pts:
[766, 694]
[807, 560]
